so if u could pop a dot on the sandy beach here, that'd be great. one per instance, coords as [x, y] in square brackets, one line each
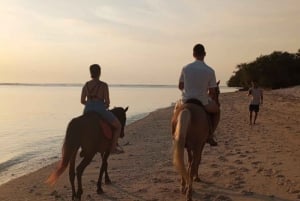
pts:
[252, 163]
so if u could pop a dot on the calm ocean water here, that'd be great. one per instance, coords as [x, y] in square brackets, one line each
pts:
[33, 119]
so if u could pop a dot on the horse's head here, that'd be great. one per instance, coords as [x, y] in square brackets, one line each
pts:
[120, 113]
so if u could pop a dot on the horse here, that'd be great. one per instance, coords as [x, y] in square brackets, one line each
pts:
[191, 126]
[86, 133]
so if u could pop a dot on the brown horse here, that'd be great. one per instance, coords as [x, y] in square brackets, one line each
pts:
[84, 132]
[191, 128]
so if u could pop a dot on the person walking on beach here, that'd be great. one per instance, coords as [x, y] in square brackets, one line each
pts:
[198, 84]
[95, 97]
[256, 99]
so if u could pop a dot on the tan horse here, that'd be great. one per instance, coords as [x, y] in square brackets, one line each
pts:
[85, 132]
[190, 130]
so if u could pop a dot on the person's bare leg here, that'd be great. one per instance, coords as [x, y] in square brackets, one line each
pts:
[214, 110]
[255, 117]
[216, 120]
[116, 134]
[250, 117]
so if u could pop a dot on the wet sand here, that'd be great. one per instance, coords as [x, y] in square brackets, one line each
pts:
[252, 163]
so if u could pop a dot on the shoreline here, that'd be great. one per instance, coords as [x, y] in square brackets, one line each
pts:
[251, 162]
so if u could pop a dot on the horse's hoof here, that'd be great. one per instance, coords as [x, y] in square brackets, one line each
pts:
[107, 181]
[100, 191]
[189, 195]
[75, 198]
[183, 190]
[197, 179]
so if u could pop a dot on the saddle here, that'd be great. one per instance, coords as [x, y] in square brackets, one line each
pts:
[104, 125]
[180, 106]
[106, 128]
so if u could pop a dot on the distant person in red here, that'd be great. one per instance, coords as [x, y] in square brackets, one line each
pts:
[256, 99]
[95, 97]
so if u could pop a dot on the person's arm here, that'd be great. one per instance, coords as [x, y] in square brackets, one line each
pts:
[181, 81]
[181, 85]
[213, 87]
[106, 96]
[83, 95]
[261, 97]
[249, 92]
[212, 93]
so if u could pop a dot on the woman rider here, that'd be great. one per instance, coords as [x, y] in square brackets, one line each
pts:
[95, 97]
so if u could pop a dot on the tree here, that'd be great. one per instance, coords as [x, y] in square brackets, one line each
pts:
[277, 70]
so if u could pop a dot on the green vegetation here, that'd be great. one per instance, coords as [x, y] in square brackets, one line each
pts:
[277, 70]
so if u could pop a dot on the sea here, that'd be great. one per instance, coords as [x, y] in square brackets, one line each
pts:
[34, 117]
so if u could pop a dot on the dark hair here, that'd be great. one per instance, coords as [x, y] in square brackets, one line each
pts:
[199, 50]
[95, 70]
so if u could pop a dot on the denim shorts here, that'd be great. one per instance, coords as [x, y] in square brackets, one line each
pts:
[99, 107]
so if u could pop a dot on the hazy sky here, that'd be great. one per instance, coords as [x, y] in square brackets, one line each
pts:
[138, 41]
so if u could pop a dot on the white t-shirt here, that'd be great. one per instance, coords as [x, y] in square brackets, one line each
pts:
[197, 78]
[256, 94]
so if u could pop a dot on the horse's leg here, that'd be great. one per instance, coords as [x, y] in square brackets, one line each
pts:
[107, 179]
[103, 169]
[80, 168]
[194, 170]
[190, 157]
[190, 176]
[183, 185]
[198, 158]
[72, 174]
[183, 181]
[196, 176]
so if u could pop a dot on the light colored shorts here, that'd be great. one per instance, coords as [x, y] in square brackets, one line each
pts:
[99, 107]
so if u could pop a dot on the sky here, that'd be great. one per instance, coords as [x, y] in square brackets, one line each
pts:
[138, 41]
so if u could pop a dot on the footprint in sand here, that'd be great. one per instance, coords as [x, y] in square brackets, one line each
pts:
[242, 155]
[55, 194]
[214, 165]
[222, 158]
[277, 163]
[250, 157]
[239, 162]
[232, 172]
[230, 154]
[243, 169]
[247, 193]
[216, 174]
[269, 172]
[222, 198]
[256, 163]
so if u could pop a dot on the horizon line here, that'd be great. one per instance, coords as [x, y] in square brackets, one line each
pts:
[77, 84]
[80, 85]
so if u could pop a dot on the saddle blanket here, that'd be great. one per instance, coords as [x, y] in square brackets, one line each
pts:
[107, 131]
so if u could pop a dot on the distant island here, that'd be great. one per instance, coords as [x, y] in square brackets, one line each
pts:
[277, 70]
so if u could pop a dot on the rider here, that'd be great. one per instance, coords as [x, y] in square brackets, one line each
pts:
[198, 83]
[95, 97]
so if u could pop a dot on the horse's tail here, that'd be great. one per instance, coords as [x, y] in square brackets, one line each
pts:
[70, 147]
[183, 122]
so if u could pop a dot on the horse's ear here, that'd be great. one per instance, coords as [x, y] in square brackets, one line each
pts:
[218, 82]
[126, 109]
